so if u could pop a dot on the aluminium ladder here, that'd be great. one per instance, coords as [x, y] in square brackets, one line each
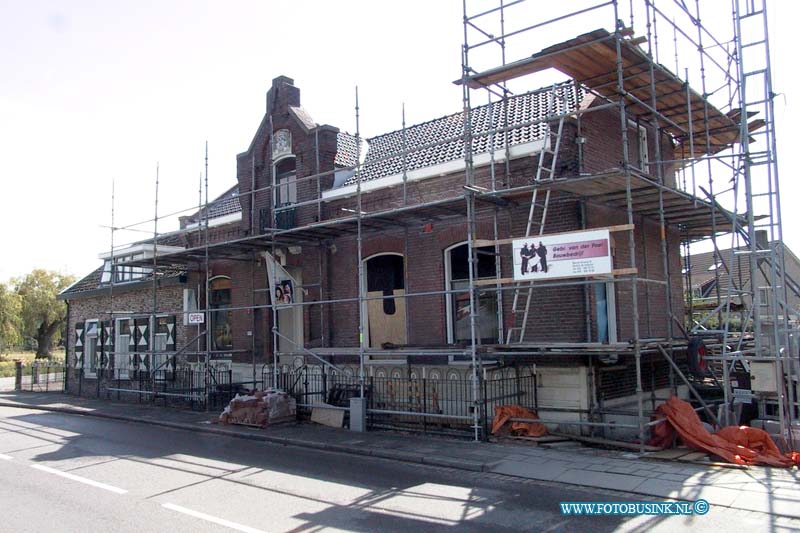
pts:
[545, 172]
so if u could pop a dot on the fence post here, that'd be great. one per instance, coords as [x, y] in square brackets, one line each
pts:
[424, 405]
[47, 378]
[18, 375]
[485, 407]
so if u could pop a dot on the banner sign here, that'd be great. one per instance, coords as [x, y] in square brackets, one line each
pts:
[284, 292]
[283, 285]
[579, 254]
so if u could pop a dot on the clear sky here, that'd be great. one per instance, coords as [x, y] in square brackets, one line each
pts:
[92, 92]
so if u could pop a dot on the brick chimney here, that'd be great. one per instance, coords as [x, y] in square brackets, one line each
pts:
[282, 94]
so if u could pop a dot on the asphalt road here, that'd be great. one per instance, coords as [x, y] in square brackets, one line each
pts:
[72, 473]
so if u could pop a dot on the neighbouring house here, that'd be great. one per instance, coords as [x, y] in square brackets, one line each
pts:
[725, 274]
[276, 261]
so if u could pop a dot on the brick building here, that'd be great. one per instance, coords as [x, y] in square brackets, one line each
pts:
[311, 200]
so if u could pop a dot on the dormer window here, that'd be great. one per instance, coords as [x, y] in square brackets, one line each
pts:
[130, 273]
[124, 273]
[118, 262]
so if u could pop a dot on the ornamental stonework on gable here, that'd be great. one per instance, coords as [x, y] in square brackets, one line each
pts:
[281, 144]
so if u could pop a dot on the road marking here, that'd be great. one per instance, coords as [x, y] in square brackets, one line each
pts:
[209, 518]
[5, 457]
[80, 479]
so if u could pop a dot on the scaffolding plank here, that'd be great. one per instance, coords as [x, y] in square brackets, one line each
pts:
[591, 59]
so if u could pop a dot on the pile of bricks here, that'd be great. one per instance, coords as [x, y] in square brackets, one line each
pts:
[259, 409]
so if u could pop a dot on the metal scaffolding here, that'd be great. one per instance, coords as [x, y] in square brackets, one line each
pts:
[708, 139]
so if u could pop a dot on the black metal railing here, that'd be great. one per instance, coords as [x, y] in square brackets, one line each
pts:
[209, 389]
[40, 376]
[413, 403]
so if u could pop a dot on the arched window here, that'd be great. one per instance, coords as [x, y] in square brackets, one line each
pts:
[219, 301]
[385, 306]
[285, 182]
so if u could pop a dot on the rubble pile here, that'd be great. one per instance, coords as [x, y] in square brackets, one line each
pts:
[259, 408]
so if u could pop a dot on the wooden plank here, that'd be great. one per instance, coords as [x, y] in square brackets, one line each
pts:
[611, 229]
[608, 442]
[386, 328]
[670, 454]
[505, 281]
[546, 438]
[593, 57]
[321, 413]
[693, 456]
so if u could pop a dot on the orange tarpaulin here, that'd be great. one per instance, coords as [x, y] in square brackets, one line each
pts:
[740, 445]
[504, 413]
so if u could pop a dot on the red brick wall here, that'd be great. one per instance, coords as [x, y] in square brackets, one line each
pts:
[135, 302]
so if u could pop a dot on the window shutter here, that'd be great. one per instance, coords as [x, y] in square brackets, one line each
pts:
[142, 334]
[133, 362]
[106, 342]
[112, 337]
[79, 341]
[170, 331]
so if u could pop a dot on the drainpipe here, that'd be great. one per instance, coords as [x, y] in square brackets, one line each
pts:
[66, 352]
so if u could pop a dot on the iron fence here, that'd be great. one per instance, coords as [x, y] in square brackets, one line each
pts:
[411, 403]
[209, 389]
[40, 376]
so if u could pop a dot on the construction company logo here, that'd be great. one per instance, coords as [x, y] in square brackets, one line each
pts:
[566, 255]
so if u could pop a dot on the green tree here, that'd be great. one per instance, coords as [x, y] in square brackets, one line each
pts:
[10, 320]
[43, 316]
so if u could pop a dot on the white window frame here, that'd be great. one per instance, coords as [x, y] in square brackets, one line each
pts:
[122, 369]
[189, 304]
[449, 302]
[105, 275]
[128, 274]
[641, 140]
[88, 371]
[288, 187]
[763, 293]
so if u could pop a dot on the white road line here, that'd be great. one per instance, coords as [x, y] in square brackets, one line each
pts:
[80, 479]
[209, 518]
[5, 457]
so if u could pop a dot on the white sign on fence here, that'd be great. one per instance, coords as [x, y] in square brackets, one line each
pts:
[742, 396]
[197, 318]
[579, 254]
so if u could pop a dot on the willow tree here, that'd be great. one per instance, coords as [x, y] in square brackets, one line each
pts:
[43, 316]
[10, 320]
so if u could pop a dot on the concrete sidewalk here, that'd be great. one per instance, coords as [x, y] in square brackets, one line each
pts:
[760, 489]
